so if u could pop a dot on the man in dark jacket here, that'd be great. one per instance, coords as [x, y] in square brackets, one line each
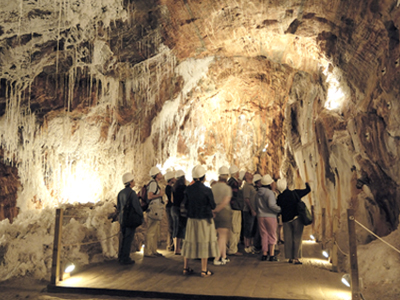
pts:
[127, 233]
[237, 204]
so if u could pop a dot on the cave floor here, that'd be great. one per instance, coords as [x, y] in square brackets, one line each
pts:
[243, 278]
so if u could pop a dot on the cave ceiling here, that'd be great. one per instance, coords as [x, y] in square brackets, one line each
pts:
[301, 89]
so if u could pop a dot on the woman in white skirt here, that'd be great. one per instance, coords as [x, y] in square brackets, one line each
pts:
[201, 237]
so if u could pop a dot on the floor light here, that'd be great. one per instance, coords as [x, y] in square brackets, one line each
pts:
[69, 267]
[346, 280]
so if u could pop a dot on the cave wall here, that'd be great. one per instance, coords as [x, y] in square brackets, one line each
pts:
[305, 90]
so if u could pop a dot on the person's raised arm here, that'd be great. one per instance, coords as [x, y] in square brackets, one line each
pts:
[304, 192]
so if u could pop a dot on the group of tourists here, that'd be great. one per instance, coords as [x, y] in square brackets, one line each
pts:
[208, 222]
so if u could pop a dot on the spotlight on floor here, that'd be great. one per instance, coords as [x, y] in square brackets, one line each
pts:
[346, 280]
[312, 237]
[69, 268]
[325, 253]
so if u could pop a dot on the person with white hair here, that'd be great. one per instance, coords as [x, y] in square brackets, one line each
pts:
[222, 213]
[201, 237]
[267, 211]
[154, 213]
[127, 196]
[292, 225]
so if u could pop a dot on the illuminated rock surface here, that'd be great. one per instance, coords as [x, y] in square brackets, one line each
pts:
[307, 90]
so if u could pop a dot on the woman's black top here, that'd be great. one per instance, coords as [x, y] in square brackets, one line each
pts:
[199, 201]
[179, 194]
[168, 192]
[287, 200]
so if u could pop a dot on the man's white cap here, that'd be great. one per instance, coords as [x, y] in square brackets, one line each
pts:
[169, 175]
[266, 180]
[154, 171]
[281, 184]
[127, 177]
[241, 174]
[179, 173]
[198, 171]
[233, 169]
[223, 171]
[256, 178]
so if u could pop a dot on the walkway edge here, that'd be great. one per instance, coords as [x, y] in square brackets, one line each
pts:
[145, 294]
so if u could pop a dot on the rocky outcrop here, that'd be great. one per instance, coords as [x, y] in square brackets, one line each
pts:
[303, 90]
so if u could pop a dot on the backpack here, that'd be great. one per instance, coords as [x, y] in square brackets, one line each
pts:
[144, 201]
[130, 218]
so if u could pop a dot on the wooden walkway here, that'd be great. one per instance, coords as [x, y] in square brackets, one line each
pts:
[245, 277]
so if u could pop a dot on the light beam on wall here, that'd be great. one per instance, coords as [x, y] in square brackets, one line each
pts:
[81, 186]
[335, 96]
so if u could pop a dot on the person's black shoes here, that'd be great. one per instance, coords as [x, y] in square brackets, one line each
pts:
[273, 258]
[127, 262]
[264, 257]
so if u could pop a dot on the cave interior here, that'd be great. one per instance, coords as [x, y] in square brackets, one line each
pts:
[302, 90]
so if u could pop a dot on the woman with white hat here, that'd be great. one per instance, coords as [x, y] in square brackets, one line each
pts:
[267, 211]
[292, 226]
[222, 213]
[201, 237]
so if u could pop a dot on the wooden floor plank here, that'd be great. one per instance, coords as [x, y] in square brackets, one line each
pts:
[245, 276]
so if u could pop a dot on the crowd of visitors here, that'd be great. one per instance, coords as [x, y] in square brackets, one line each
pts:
[209, 222]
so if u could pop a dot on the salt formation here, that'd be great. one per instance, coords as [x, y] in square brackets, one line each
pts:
[69, 159]
[27, 245]
[92, 89]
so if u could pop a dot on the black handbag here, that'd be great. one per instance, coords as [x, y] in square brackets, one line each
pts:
[304, 214]
[130, 218]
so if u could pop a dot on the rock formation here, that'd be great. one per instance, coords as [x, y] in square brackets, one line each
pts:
[306, 90]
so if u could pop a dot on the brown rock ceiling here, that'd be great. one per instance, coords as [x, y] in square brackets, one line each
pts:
[267, 84]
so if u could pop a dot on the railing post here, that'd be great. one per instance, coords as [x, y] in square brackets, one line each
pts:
[335, 228]
[355, 287]
[323, 223]
[55, 266]
[2, 216]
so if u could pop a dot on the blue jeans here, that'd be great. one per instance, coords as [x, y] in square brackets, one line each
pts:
[128, 234]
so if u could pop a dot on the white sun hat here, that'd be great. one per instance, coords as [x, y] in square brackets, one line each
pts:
[198, 171]
[266, 180]
[154, 171]
[127, 177]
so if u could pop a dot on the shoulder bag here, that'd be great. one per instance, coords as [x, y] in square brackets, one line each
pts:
[304, 214]
[130, 217]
